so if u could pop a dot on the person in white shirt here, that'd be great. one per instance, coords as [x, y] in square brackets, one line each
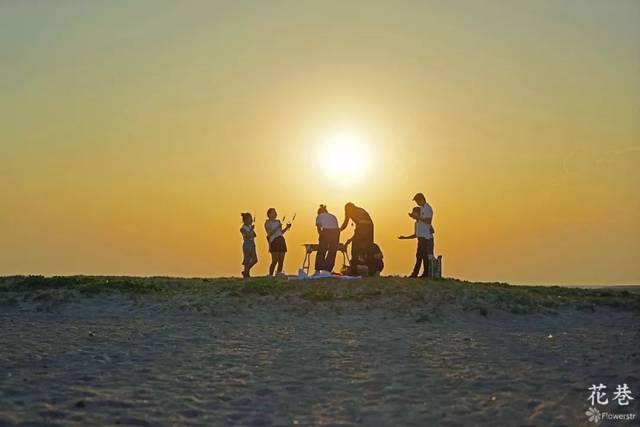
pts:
[422, 232]
[277, 244]
[328, 240]
[426, 212]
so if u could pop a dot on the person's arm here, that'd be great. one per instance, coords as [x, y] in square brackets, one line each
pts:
[426, 219]
[319, 228]
[345, 223]
[247, 232]
[413, 236]
[285, 229]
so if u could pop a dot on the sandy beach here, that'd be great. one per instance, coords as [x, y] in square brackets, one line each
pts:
[378, 352]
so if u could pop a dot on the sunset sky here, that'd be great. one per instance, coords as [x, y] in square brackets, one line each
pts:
[132, 134]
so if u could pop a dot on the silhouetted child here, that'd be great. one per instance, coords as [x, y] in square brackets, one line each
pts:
[369, 263]
[425, 243]
[375, 260]
[277, 244]
[248, 244]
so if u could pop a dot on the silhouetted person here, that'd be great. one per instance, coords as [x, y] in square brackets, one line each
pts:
[375, 260]
[328, 239]
[363, 235]
[248, 245]
[425, 243]
[277, 244]
[426, 217]
[368, 262]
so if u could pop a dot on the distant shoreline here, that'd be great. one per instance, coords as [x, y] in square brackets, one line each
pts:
[631, 288]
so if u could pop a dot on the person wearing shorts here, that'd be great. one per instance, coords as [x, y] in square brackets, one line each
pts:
[277, 243]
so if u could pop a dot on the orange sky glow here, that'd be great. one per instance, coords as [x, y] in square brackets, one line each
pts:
[132, 137]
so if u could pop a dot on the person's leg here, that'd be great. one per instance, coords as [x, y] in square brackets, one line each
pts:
[366, 241]
[322, 251]
[246, 258]
[354, 249]
[425, 262]
[332, 248]
[254, 261]
[428, 256]
[274, 261]
[361, 238]
[280, 262]
[420, 250]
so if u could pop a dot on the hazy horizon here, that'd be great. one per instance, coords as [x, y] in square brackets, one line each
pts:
[132, 137]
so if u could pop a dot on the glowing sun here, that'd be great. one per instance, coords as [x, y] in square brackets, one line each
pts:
[344, 157]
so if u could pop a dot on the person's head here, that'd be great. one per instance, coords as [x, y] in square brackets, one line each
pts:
[419, 199]
[349, 207]
[415, 212]
[247, 218]
[322, 209]
[271, 213]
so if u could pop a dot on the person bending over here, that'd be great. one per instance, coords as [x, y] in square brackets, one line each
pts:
[363, 235]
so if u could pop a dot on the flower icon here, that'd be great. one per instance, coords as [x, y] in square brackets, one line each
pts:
[593, 414]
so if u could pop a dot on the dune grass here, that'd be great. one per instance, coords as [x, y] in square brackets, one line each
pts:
[466, 296]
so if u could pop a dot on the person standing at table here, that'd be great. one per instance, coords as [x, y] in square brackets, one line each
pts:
[363, 235]
[328, 240]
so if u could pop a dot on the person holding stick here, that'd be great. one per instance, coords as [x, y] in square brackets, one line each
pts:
[277, 243]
